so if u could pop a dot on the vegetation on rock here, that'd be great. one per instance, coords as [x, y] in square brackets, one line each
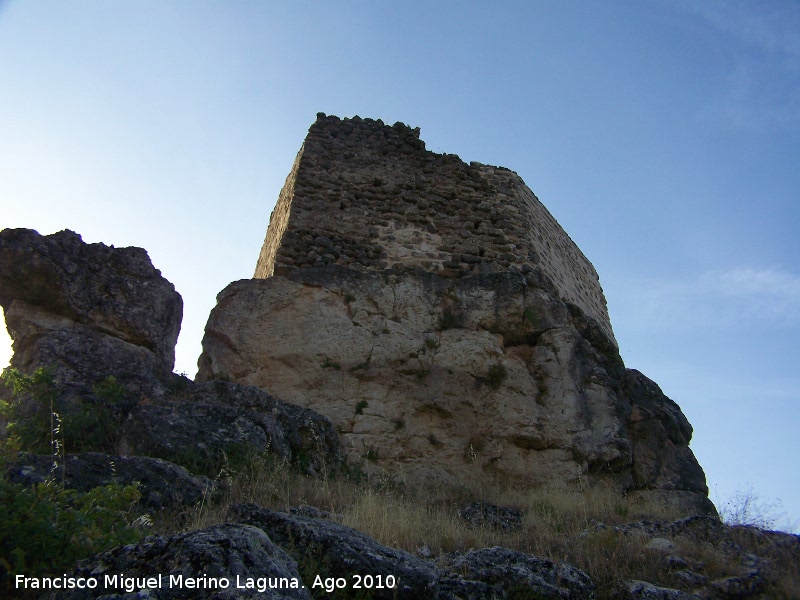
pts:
[47, 527]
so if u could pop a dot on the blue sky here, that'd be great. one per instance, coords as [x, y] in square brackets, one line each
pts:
[663, 135]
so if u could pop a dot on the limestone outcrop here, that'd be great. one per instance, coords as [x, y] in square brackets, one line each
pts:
[86, 310]
[104, 323]
[447, 325]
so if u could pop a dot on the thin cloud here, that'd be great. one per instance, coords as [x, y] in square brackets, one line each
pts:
[774, 26]
[763, 42]
[740, 297]
[758, 282]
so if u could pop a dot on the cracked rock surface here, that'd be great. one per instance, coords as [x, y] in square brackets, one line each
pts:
[434, 379]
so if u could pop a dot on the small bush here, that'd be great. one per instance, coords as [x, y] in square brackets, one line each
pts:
[746, 507]
[421, 373]
[529, 315]
[433, 440]
[451, 320]
[33, 415]
[331, 364]
[496, 375]
[47, 422]
[47, 527]
[360, 406]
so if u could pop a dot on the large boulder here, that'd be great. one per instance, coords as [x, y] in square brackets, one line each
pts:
[104, 322]
[223, 562]
[203, 425]
[409, 364]
[87, 310]
[502, 573]
[331, 550]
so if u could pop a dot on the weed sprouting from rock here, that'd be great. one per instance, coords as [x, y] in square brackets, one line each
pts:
[496, 375]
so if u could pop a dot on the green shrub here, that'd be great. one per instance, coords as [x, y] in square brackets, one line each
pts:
[32, 414]
[451, 319]
[47, 528]
[330, 364]
[48, 422]
[496, 375]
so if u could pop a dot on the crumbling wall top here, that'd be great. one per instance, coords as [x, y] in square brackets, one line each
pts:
[369, 196]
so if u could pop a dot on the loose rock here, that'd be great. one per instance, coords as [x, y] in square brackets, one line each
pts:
[55, 287]
[328, 549]
[511, 574]
[237, 554]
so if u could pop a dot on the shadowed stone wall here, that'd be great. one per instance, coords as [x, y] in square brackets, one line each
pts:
[368, 196]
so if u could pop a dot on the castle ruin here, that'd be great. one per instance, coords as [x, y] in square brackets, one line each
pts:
[368, 196]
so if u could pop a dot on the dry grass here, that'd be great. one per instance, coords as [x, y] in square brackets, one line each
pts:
[560, 524]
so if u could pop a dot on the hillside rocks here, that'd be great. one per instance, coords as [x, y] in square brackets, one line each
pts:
[755, 561]
[215, 563]
[483, 514]
[641, 590]
[329, 549]
[89, 310]
[503, 573]
[104, 322]
[203, 425]
[314, 557]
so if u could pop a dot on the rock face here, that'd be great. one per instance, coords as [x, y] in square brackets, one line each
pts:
[445, 323]
[89, 310]
[104, 321]
[329, 549]
[215, 563]
[206, 423]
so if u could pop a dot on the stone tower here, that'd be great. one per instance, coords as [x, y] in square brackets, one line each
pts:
[447, 325]
[368, 196]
